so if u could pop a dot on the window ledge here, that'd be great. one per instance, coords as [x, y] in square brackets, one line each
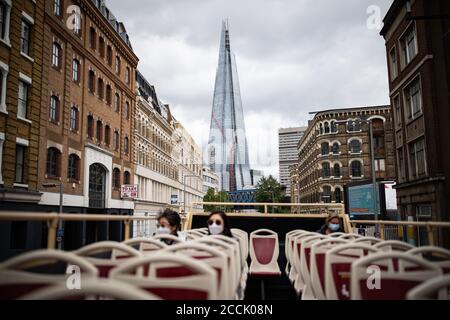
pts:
[26, 56]
[6, 42]
[24, 119]
[20, 185]
[3, 110]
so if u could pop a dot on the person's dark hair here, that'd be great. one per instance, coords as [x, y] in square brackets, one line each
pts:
[173, 217]
[226, 223]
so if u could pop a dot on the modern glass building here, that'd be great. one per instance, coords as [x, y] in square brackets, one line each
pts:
[227, 145]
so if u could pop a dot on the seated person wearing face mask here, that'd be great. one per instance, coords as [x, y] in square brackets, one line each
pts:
[218, 224]
[169, 222]
[332, 224]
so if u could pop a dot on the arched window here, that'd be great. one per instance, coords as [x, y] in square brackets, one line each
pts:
[126, 145]
[93, 38]
[91, 81]
[338, 195]
[56, 55]
[76, 71]
[101, 47]
[325, 148]
[90, 127]
[126, 177]
[99, 133]
[326, 194]
[127, 110]
[107, 135]
[53, 162]
[57, 8]
[100, 88]
[74, 118]
[336, 148]
[74, 167]
[337, 170]
[116, 140]
[333, 127]
[356, 169]
[117, 65]
[350, 126]
[327, 128]
[116, 178]
[127, 75]
[108, 94]
[117, 103]
[109, 55]
[355, 146]
[325, 170]
[320, 129]
[54, 108]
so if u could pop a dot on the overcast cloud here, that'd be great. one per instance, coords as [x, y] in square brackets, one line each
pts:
[293, 57]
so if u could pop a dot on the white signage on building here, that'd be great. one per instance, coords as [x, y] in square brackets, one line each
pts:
[129, 191]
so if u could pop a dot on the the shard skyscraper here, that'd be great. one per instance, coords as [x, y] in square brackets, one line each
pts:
[227, 145]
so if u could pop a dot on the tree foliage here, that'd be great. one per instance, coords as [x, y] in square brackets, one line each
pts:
[212, 196]
[269, 190]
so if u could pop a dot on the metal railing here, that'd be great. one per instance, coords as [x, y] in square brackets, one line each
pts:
[52, 220]
[401, 230]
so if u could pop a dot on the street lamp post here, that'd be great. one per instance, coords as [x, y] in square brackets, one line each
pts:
[60, 185]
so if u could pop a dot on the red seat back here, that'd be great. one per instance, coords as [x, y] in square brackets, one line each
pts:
[264, 249]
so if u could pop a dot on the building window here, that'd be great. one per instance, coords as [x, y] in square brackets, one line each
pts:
[393, 63]
[321, 129]
[107, 135]
[74, 119]
[109, 55]
[333, 127]
[356, 169]
[108, 94]
[74, 167]
[397, 111]
[90, 127]
[99, 133]
[2, 140]
[101, 47]
[117, 102]
[326, 195]
[100, 88]
[127, 75]
[401, 165]
[93, 38]
[126, 177]
[126, 145]
[4, 13]
[380, 165]
[417, 162]
[56, 55]
[3, 85]
[338, 195]
[57, 10]
[116, 140]
[54, 108]
[117, 65]
[353, 126]
[413, 99]
[325, 170]
[337, 170]
[116, 178]
[355, 147]
[76, 71]
[325, 149]
[127, 110]
[409, 46]
[23, 99]
[336, 148]
[25, 38]
[91, 81]
[20, 163]
[53, 160]
[327, 128]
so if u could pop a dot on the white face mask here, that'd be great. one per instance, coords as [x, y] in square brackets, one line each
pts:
[163, 230]
[214, 229]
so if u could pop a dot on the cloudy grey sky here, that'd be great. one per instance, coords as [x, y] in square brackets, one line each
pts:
[293, 57]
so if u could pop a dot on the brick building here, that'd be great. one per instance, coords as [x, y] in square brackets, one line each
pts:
[335, 151]
[21, 36]
[418, 54]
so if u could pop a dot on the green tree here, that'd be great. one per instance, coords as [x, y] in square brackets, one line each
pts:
[212, 196]
[269, 190]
